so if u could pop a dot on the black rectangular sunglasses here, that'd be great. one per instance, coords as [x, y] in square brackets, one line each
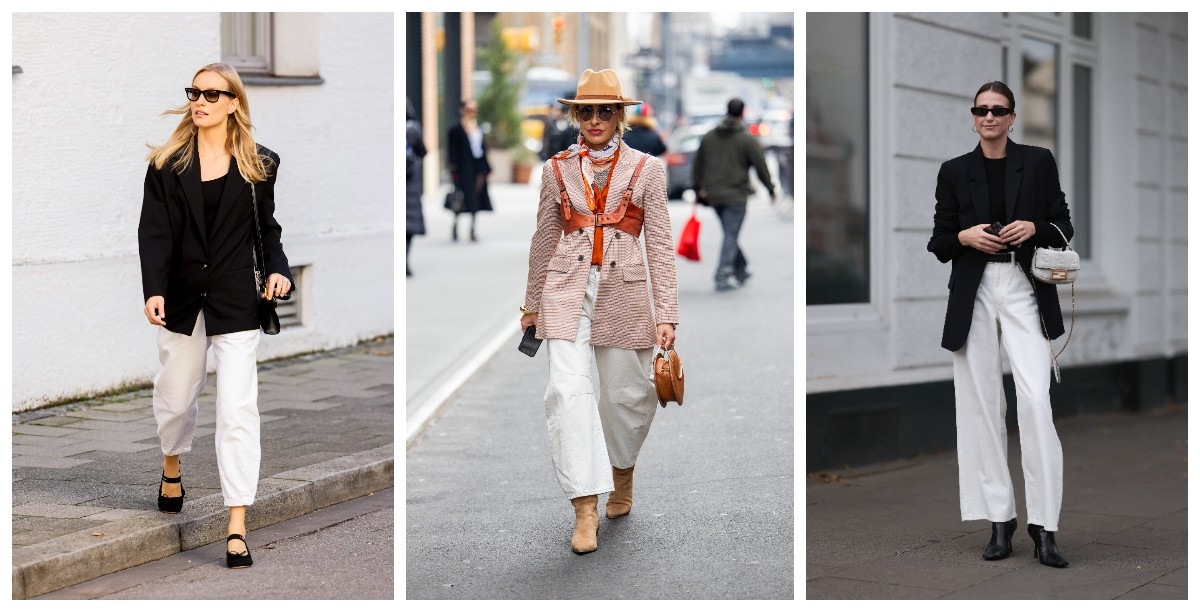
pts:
[212, 95]
[982, 111]
[585, 113]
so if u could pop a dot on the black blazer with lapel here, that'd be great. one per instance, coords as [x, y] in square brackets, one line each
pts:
[1031, 193]
[196, 270]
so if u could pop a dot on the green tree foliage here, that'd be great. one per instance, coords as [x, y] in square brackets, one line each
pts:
[500, 101]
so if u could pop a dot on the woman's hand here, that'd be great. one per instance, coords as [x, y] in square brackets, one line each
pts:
[1018, 232]
[277, 285]
[527, 320]
[155, 310]
[666, 336]
[976, 238]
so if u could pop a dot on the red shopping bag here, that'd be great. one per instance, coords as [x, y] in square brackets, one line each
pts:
[689, 240]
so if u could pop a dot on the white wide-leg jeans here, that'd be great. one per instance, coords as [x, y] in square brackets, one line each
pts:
[589, 438]
[1006, 312]
[177, 388]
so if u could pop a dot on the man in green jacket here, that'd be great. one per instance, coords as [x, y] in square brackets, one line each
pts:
[721, 178]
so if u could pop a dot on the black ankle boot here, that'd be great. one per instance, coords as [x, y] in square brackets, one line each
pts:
[1044, 547]
[1001, 544]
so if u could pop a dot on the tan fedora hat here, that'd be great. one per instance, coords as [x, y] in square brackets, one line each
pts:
[599, 88]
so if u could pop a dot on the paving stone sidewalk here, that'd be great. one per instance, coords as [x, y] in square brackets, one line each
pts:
[93, 467]
[893, 531]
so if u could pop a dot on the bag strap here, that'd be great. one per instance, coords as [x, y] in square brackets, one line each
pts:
[260, 260]
[1066, 244]
[1053, 356]
[564, 200]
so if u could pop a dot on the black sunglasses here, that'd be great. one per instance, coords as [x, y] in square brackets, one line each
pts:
[212, 95]
[585, 113]
[981, 111]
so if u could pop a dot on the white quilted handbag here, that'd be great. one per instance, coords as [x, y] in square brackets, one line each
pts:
[1055, 266]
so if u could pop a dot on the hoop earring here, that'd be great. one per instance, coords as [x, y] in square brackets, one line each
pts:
[973, 128]
[1010, 129]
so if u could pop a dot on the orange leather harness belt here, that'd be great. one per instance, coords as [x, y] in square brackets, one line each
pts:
[628, 217]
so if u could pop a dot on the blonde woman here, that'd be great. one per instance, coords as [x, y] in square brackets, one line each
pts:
[195, 240]
[587, 297]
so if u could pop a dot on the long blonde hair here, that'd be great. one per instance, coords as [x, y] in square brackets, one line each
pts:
[239, 141]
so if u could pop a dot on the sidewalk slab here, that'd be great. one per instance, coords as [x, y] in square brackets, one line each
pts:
[893, 530]
[95, 512]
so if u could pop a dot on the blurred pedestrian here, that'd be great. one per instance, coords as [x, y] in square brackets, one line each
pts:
[556, 124]
[985, 220]
[588, 280]
[206, 191]
[467, 156]
[414, 181]
[643, 132]
[720, 176]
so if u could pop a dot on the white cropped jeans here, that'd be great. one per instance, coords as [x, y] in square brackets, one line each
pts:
[177, 388]
[1006, 312]
[588, 438]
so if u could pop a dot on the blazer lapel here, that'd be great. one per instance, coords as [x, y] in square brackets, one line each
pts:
[576, 186]
[977, 177]
[1012, 177]
[190, 182]
[235, 186]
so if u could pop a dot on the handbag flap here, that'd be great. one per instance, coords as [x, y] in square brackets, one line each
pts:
[1059, 259]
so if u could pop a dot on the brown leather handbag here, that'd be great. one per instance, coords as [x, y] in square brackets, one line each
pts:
[668, 378]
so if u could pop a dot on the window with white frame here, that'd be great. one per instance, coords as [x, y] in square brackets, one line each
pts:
[1054, 58]
[246, 42]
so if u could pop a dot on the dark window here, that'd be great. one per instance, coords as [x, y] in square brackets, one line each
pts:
[838, 240]
[1081, 201]
[1039, 81]
[1081, 25]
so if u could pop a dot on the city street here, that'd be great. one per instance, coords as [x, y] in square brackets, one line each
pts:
[714, 501]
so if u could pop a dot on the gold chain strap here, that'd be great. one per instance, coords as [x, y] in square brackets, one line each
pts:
[1053, 356]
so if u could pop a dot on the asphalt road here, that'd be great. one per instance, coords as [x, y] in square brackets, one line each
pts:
[345, 551]
[713, 516]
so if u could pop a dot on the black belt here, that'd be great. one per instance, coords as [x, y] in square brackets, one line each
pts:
[1009, 257]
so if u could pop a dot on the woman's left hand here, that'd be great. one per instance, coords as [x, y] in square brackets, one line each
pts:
[1017, 232]
[277, 285]
[666, 336]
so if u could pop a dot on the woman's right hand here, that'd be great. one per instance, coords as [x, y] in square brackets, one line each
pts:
[155, 311]
[527, 320]
[976, 238]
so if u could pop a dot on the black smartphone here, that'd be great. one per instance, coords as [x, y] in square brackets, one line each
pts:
[994, 228]
[529, 343]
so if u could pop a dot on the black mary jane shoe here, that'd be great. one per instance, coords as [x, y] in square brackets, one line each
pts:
[1001, 545]
[171, 505]
[237, 560]
[1044, 547]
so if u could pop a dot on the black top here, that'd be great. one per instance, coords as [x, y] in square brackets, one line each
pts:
[212, 200]
[994, 168]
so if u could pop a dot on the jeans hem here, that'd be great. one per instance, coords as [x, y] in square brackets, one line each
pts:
[245, 501]
[610, 489]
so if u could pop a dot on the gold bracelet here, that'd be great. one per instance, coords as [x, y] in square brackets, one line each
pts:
[525, 310]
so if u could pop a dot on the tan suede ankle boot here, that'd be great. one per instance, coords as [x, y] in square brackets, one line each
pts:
[587, 524]
[621, 500]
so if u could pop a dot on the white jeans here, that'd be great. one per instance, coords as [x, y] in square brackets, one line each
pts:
[588, 438]
[1006, 311]
[177, 390]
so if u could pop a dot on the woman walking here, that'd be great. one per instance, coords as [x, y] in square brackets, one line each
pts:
[195, 240]
[994, 302]
[586, 295]
[467, 155]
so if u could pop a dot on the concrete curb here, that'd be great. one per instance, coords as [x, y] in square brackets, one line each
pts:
[446, 392]
[78, 557]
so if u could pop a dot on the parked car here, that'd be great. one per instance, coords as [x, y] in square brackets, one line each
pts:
[680, 150]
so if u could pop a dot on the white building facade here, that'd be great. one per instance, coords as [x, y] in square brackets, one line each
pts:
[88, 90]
[888, 97]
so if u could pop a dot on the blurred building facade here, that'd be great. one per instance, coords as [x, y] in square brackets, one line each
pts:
[442, 61]
[887, 99]
[323, 99]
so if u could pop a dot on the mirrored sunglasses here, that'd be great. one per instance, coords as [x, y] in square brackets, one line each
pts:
[212, 95]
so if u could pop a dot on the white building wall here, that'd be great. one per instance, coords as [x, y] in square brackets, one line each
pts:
[1131, 298]
[85, 106]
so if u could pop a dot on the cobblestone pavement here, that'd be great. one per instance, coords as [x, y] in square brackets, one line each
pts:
[88, 468]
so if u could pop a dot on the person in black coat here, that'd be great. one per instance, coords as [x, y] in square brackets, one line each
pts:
[993, 302]
[414, 153]
[467, 156]
[642, 134]
[195, 242]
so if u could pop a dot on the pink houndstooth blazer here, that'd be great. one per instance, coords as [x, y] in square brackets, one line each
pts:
[559, 264]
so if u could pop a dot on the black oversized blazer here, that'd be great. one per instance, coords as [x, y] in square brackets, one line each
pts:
[197, 271]
[1031, 193]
